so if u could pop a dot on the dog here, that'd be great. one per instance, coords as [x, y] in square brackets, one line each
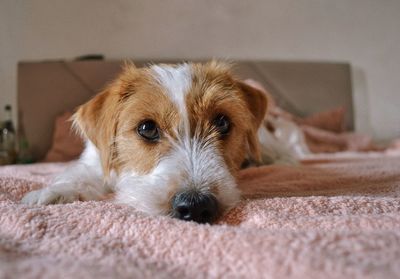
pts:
[167, 140]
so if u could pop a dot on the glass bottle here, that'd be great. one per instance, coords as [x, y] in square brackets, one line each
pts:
[24, 152]
[3, 152]
[8, 137]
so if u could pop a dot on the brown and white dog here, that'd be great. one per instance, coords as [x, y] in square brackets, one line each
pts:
[167, 139]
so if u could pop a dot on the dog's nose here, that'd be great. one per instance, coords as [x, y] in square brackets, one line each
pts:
[195, 206]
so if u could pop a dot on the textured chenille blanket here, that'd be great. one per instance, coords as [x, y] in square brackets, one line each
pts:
[335, 216]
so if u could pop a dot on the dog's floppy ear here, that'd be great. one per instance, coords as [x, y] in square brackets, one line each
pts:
[97, 121]
[257, 102]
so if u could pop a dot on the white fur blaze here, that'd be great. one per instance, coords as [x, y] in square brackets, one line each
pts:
[176, 80]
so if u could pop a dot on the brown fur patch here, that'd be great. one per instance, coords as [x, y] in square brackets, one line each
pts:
[215, 91]
[147, 103]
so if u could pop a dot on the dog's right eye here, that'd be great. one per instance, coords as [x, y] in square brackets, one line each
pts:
[149, 131]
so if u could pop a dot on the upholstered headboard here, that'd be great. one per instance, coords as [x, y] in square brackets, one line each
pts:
[47, 89]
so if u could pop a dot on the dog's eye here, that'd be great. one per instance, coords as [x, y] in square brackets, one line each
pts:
[148, 130]
[222, 124]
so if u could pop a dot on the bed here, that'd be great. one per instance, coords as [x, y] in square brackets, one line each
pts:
[335, 216]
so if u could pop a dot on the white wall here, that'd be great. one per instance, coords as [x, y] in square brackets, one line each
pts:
[364, 32]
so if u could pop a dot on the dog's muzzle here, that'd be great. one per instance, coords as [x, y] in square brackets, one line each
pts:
[195, 206]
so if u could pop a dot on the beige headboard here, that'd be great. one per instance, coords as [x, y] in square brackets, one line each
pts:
[49, 88]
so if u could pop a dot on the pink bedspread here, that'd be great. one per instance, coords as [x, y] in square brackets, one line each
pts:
[334, 217]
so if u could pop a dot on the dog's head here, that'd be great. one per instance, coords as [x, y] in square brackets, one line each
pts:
[175, 135]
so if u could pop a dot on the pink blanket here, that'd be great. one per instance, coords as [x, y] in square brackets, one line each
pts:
[333, 217]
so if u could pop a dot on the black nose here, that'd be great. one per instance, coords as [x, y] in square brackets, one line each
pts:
[195, 206]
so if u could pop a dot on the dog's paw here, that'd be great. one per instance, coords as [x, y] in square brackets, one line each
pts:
[47, 196]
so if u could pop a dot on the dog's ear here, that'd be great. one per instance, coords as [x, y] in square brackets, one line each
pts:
[97, 121]
[257, 103]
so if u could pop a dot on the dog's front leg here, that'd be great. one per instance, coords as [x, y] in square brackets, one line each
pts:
[82, 181]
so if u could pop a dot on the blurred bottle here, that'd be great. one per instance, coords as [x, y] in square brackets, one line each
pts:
[3, 152]
[24, 152]
[8, 152]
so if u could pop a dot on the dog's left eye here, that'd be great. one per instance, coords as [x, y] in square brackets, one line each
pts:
[222, 124]
[148, 130]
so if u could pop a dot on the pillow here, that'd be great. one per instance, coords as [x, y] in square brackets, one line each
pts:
[66, 145]
[332, 120]
[328, 142]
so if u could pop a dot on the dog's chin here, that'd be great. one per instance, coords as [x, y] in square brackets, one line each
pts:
[146, 193]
